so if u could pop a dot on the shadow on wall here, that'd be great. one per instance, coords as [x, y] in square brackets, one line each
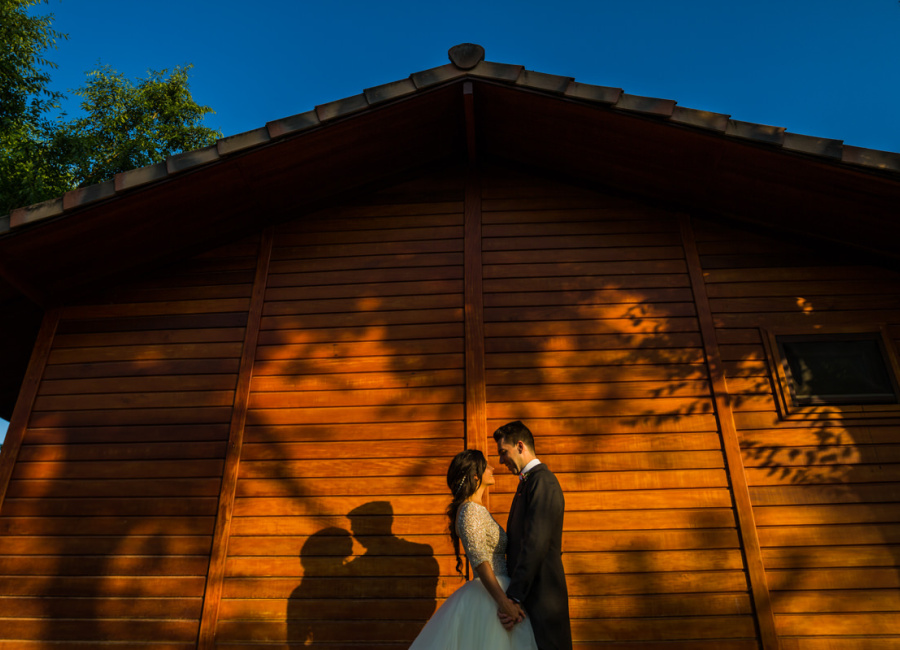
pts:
[844, 535]
[341, 599]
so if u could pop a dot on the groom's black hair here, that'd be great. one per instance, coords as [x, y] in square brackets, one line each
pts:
[514, 432]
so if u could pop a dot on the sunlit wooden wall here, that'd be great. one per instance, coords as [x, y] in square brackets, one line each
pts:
[108, 519]
[592, 338]
[356, 408]
[248, 449]
[824, 485]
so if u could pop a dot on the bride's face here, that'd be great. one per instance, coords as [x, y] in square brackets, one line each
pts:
[488, 477]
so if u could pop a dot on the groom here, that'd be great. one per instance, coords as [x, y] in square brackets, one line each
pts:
[534, 553]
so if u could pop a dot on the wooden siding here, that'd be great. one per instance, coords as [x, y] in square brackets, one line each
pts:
[358, 390]
[823, 484]
[107, 521]
[356, 408]
[592, 339]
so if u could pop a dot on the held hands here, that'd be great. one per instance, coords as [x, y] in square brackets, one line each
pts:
[510, 613]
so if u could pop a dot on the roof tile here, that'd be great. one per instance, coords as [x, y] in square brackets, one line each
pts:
[241, 141]
[36, 212]
[462, 56]
[871, 158]
[437, 75]
[541, 81]
[341, 107]
[90, 194]
[753, 131]
[702, 119]
[137, 177]
[648, 105]
[466, 55]
[812, 145]
[292, 124]
[386, 92]
[497, 71]
[184, 161]
[600, 94]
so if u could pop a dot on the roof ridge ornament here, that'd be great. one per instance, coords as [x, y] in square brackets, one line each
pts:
[466, 56]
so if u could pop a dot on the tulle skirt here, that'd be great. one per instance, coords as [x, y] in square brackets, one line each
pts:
[468, 621]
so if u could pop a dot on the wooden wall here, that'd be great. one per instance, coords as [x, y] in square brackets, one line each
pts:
[823, 484]
[356, 408]
[592, 338]
[108, 518]
[250, 448]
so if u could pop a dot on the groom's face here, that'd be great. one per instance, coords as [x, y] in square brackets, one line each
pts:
[511, 456]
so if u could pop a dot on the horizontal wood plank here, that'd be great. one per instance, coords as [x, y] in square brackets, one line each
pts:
[145, 352]
[782, 495]
[586, 283]
[99, 607]
[119, 469]
[853, 513]
[156, 367]
[367, 290]
[93, 565]
[357, 276]
[362, 319]
[57, 488]
[360, 349]
[381, 364]
[431, 299]
[120, 417]
[357, 381]
[659, 327]
[127, 434]
[350, 432]
[381, 413]
[870, 623]
[145, 337]
[496, 271]
[110, 507]
[104, 586]
[90, 526]
[212, 306]
[150, 384]
[135, 544]
[822, 556]
[857, 600]
[142, 400]
[286, 255]
[99, 630]
[575, 359]
[348, 397]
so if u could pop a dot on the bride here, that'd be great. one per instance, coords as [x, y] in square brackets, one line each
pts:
[468, 619]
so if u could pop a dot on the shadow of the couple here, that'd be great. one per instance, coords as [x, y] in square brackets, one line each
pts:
[385, 594]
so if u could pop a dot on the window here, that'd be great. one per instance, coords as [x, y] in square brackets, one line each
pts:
[850, 370]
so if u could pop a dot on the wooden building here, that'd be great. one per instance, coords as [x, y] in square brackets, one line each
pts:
[235, 379]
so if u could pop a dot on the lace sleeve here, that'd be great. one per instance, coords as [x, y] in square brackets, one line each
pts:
[472, 526]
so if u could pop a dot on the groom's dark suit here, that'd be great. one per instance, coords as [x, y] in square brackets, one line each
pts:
[534, 558]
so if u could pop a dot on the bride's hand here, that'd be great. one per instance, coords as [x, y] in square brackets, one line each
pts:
[510, 613]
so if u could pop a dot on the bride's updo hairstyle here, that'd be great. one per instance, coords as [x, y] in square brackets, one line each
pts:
[463, 478]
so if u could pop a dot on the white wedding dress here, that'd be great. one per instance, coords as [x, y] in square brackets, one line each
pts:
[468, 619]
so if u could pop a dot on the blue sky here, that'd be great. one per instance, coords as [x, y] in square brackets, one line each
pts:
[829, 68]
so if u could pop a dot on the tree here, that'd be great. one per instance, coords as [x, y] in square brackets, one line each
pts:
[31, 154]
[124, 125]
[128, 126]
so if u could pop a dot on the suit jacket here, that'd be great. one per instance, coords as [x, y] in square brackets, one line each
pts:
[534, 558]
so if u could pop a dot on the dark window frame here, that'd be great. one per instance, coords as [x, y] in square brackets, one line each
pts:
[790, 407]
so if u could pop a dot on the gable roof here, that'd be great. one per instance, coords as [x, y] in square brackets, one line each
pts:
[692, 160]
